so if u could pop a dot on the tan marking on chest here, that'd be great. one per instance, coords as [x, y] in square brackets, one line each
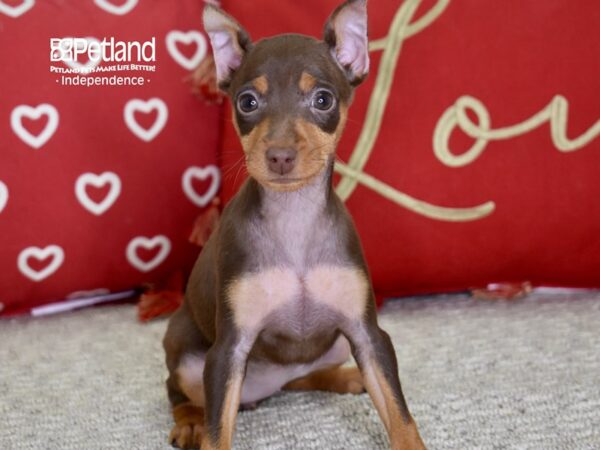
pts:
[255, 296]
[343, 289]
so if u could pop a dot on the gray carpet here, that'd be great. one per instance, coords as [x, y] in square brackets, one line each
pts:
[477, 375]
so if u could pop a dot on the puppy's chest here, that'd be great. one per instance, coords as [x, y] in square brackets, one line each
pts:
[301, 280]
[298, 304]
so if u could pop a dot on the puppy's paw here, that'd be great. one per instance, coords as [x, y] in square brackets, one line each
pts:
[348, 381]
[186, 436]
[189, 427]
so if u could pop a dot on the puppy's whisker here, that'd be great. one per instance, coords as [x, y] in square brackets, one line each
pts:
[231, 152]
[353, 121]
[318, 147]
[242, 166]
[230, 169]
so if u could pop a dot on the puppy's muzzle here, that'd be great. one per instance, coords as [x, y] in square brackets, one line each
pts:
[281, 161]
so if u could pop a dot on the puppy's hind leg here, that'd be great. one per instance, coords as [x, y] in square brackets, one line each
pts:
[185, 350]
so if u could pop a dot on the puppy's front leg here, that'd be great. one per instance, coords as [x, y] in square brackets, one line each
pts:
[223, 378]
[374, 353]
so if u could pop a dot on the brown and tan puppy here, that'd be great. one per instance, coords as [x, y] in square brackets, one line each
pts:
[281, 295]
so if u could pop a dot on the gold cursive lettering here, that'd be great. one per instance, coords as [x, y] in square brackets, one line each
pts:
[556, 112]
[352, 173]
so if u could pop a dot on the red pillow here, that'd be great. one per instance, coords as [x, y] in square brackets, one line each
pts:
[100, 185]
[437, 209]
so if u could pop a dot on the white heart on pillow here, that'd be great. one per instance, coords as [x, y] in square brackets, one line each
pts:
[114, 9]
[98, 181]
[3, 196]
[175, 36]
[18, 10]
[137, 104]
[201, 173]
[148, 243]
[16, 123]
[58, 256]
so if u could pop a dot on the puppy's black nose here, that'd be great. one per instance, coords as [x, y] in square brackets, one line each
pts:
[281, 160]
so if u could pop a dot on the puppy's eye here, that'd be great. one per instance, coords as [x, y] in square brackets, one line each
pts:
[247, 103]
[323, 100]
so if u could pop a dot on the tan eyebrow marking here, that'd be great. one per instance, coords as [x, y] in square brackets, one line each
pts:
[307, 82]
[261, 84]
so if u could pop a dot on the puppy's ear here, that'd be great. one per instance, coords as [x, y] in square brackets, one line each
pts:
[346, 34]
[229, 42]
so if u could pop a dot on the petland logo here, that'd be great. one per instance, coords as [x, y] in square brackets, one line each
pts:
[82, 56]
